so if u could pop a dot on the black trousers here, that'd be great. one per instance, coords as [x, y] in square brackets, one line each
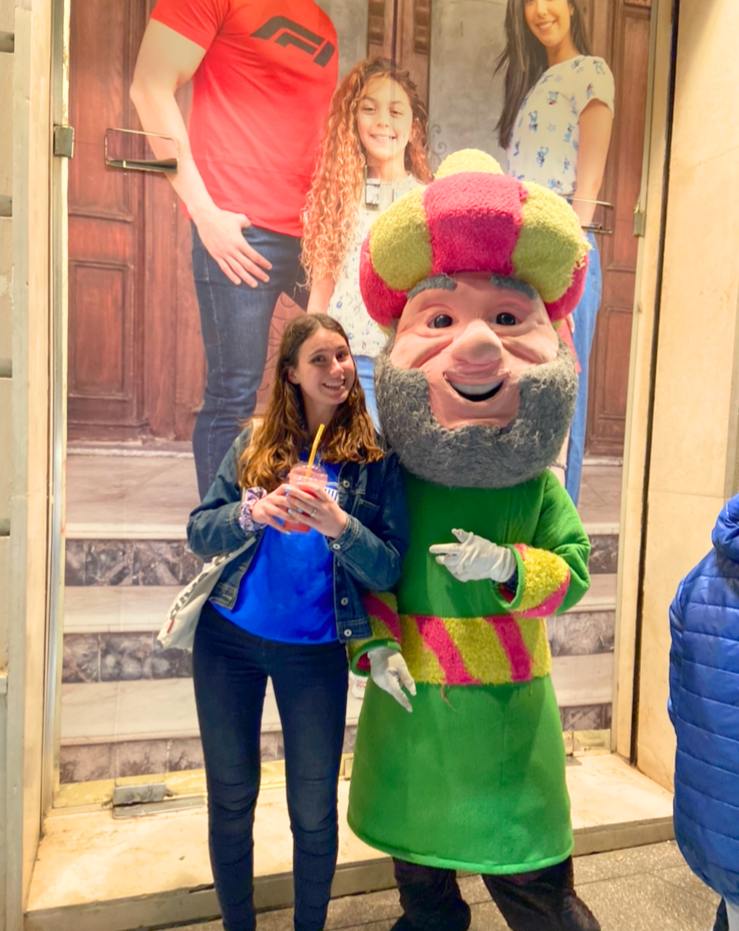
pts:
[722, 918]
[541, 901]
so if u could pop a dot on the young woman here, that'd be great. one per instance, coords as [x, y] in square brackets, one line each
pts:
[556, 127]
[373, 150]
[286, 608]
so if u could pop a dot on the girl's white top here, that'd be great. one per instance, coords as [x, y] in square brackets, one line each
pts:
[366, 338]
[546, 132]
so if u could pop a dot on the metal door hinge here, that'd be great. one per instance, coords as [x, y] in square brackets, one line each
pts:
[64, 141]
[640, 220]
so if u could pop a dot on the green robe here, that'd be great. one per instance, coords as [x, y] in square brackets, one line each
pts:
[474, 778]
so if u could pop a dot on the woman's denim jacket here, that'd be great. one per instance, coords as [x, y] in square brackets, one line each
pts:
[367, 555]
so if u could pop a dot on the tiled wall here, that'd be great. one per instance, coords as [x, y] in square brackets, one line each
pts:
[101, 659]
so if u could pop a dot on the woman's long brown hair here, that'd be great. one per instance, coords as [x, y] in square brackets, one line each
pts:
[282, 435]
[330, 213]
[525, 60]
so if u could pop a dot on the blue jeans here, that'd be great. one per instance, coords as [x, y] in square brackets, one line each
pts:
[235, 322]
[366, 376]
[584, 316]
[230, 669]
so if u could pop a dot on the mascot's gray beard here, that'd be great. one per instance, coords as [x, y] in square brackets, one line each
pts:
[477, 456]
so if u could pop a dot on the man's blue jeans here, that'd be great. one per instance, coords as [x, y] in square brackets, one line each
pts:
[584, 316]
[235, 322]
[230, 669]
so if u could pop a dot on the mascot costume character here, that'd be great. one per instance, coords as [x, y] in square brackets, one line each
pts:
[475, 392]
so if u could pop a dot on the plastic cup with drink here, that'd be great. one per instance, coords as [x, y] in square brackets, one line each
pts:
[306, 478]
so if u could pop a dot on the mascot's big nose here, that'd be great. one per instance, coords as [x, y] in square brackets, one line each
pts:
[477, 345]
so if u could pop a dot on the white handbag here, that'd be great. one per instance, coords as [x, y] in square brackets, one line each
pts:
[183, 616]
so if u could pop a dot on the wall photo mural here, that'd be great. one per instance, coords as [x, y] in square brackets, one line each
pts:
[296, 124]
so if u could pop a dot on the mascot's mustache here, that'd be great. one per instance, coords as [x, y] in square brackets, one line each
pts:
[477, 456]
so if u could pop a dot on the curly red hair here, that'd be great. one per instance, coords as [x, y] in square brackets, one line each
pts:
[330, 213]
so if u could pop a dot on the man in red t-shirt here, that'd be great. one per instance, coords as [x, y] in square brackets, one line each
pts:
[263, 74]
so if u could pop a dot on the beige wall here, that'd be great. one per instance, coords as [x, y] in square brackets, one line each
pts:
[637, 412]
[6, 227]
[24, 301]
[694, 424]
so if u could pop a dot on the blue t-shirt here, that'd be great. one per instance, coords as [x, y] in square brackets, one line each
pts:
[287, 593]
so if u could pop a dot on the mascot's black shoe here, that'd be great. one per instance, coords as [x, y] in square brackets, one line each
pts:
[576, 916]
[459, 921]
[402, 924]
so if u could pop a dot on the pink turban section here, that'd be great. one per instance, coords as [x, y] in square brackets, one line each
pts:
[474, 218]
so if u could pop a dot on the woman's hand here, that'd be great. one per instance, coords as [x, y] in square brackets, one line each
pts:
[316, 510]
[272, 509]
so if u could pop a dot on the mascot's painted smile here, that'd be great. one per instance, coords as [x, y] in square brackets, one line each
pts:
[475, 393]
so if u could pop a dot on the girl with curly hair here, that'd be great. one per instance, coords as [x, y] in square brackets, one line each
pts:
[286, 607]
[373, 150]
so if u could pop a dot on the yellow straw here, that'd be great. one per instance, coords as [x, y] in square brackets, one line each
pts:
[312, 456]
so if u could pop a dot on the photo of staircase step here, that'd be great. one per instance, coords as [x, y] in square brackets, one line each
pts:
[127, 704]
[117, 561]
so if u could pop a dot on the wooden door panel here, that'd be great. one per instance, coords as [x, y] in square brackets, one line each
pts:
[610, 387]
[411, 33]
[625, 45]
[105, 229]
[99, 330]
[190, 353]
[630, 139]
[100, 57]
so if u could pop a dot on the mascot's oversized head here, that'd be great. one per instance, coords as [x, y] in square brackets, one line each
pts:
[475, 388]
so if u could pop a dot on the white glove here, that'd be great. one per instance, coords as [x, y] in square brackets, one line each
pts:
[475, 558]
[389, 670]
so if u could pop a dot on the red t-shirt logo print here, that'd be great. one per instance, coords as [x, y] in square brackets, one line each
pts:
[284, 31]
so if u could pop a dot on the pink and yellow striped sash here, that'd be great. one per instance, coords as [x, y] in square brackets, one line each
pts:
[492, 650]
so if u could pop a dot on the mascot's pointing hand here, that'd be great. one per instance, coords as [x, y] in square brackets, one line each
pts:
[475, 558]
[389, 670]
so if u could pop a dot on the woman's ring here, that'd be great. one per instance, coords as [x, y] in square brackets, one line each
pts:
[314, 512]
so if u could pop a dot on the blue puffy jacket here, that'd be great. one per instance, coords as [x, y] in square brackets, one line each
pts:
[704, 709]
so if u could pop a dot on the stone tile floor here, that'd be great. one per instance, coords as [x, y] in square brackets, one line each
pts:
[120, 491]
[640, 889]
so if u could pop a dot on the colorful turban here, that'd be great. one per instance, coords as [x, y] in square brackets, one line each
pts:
[474, 218]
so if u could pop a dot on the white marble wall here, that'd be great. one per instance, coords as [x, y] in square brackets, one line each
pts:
[350, 19]
[465, 100]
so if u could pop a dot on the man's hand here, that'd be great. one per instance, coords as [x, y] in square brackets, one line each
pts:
[220, 232]
[475, 558]
[389, 670]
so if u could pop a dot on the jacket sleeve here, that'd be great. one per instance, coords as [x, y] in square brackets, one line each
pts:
[213, 527]
[676, 652]
[552, 572]
[373, 554]
[382, 611]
